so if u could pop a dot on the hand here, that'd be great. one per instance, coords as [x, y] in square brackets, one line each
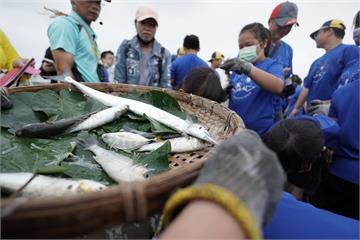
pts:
[19, 63]
[294, 112]
[244, 166]
[288, 90]
[287, 71]
[237, 65]
[318, 107]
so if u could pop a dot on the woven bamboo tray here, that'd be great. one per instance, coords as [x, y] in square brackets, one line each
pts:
[126, 202]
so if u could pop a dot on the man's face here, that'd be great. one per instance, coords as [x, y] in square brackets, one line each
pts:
[89, 10]
[278, 32]
[108, 60]
[321, 37]
[216, 62]
[146, 29]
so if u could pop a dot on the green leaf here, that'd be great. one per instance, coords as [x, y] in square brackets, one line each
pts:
[67, 104]
[21, 113]
[156, 161]
[32, 154]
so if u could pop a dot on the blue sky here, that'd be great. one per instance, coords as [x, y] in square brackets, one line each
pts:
[217, 23]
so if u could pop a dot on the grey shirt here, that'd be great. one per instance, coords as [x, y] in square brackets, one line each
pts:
[145, 75]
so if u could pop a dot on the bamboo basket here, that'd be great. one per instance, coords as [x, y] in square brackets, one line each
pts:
[126, 202]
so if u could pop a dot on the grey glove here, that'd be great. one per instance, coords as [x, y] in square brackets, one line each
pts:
[247, 168]
[237, 65]
[5, 101]
[318, 107]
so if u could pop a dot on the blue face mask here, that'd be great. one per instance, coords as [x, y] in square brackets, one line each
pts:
[248, 54]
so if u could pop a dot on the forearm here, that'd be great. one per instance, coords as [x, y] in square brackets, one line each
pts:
[64, 62]
[266, 80]
[302, 98]
[201, 219]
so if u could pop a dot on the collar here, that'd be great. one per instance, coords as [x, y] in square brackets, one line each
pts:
[73, 15]
[156, 50]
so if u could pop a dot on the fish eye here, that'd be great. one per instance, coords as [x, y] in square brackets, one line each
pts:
[100, 188]
[69, 187]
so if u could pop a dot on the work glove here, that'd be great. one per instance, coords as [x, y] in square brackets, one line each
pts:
[237, 65]
[5, 101]
[318, 107]
[243, 176]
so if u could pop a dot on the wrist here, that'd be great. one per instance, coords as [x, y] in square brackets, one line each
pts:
[226, 199]
[248, 67]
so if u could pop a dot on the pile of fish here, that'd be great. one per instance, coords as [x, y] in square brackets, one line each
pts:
[190, 137]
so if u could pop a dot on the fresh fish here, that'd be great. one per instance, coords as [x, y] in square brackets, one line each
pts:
[63, 126]
[152, 135]
[178, 145]
[47, 186]
[100, 118]
[140, 108]
[49, 129]
[117, 166]
[126, 141]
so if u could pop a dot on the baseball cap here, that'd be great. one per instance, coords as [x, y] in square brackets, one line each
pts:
[216, 55]
[285, 14]
[334, 23]
[143, 13]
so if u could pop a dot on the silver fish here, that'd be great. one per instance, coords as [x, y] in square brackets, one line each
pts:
[119, 167]
[178, 145]
[126, 141]
[44, 186]
[140, 108]
[100, 118]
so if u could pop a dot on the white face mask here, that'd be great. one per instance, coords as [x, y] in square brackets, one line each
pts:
[248, 54]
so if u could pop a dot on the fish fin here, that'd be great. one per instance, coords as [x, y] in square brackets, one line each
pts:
[188, 119]
[87, 142]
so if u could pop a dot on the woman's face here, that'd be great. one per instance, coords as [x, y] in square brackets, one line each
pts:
[247, 39]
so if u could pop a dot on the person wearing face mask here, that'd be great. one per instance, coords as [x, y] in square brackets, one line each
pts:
[255, 79]
[73, 41]
[142, 60]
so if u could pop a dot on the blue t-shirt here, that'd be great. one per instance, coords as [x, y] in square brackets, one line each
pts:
[182, 66]
[74, 36]
[345, 107]
[283, 55]
[294, 219]
[252, 103]
[350, 73]
[323, 77]
[292, 101]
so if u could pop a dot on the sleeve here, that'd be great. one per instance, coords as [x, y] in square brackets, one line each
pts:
[120, 67]
[277, 70]
[63, 34]
[10, 53]
[165, 75]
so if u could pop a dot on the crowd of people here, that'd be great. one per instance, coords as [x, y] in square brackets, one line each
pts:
[295, 173]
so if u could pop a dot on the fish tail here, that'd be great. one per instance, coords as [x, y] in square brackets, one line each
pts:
[87, 142]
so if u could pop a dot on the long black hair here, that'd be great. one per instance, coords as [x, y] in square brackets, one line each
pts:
[261, 33]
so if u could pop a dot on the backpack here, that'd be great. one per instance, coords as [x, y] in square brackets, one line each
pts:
[162, 52]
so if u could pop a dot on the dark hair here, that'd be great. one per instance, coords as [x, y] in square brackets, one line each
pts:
[339, 33]
[298, 145]
[356, 21]
[205, 83]
[191, 42]
[261, 33]
[103, 54]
